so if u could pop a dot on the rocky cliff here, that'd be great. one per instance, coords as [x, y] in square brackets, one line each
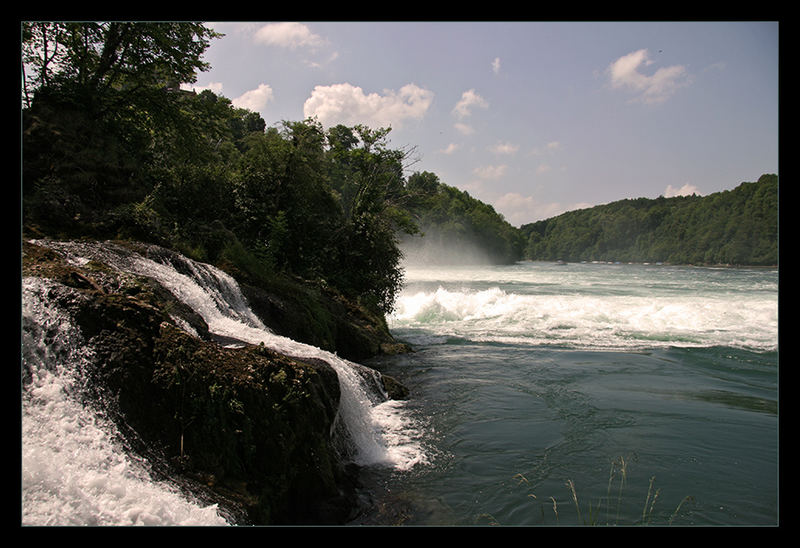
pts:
[244, 427]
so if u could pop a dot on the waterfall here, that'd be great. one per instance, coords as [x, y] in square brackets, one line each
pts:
[217, 297]
[73, 470]
[376, 430]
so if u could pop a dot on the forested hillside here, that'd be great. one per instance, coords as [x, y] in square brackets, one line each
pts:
[455, 227]
[737, 227]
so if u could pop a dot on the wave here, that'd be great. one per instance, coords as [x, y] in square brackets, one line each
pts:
[588, 320]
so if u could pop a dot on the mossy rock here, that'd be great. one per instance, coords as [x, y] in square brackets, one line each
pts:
[248, 427]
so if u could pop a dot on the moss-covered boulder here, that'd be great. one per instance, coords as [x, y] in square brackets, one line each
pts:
[254, 422]
[321, 317]
[250, 428]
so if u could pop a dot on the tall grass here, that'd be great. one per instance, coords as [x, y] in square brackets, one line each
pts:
[611, 504]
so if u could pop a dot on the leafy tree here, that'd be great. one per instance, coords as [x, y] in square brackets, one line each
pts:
[367, 177]
[100, 98]
[126, 57]
[423, 184]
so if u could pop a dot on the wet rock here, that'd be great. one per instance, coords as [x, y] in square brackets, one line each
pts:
[247, 428]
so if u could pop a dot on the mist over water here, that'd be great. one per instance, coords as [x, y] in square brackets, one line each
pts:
[436, 249]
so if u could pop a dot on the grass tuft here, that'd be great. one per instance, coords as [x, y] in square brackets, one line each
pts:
[618, 473]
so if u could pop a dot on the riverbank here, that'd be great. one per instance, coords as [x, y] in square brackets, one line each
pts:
[242, 426]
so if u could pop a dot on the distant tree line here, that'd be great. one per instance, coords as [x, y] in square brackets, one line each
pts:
[737, 227]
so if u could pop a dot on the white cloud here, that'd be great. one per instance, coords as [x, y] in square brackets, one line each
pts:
[549, 148]
[450, 149]
[216, 87]
[496, 65]
[469, 100]
[288, 35]
[255, 99]
[552, 146]
[624, 73]
[519, 209]
[490, 172]
[349, 105]
[292, 36]
[464, 129]
[505, 148]
[685, 190]
[316, 64]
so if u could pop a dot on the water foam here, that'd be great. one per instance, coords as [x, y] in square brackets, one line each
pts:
[590, 320]
[217, 297]
[73, 472]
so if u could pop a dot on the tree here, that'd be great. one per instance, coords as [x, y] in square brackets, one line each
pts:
[424, 183]
[103, 111]
[367, 176]
[739, 226]
[125, 56]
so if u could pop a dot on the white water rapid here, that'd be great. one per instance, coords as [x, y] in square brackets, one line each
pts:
[74, 474]
[73, 470]
[588, 306]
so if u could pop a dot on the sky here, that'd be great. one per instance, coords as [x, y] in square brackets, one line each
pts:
[534, 118]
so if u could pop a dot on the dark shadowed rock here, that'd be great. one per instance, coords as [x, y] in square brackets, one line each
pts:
[248, 428]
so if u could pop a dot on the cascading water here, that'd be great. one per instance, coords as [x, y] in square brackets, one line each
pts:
[73, 471]
[56, 422]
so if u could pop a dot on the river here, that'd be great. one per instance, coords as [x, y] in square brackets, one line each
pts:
[572, 394]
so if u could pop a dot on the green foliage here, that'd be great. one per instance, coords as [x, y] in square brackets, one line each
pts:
[739, 227]
[124, 56]
[103, 115]
[367, 178]
[451, 219]
[113, 148]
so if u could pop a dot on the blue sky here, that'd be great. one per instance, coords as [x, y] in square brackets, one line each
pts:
[535, 118]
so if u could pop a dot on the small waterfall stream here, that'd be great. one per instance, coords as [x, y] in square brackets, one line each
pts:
[376, 429]
[74, 472]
